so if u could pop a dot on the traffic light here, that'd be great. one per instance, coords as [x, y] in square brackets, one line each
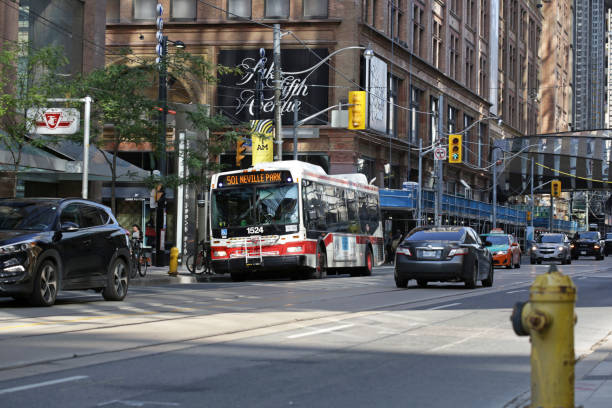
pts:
[528, 215]
[357, 110]
[240, 148]
[454, 148]
[555, 188]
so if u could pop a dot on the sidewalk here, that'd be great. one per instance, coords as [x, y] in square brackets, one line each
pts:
[158, 276]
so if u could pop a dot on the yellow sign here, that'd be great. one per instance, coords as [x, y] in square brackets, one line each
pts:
[262, 140]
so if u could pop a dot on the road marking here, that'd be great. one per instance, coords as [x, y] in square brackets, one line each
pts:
[443, 306]
[517, 291]
[320, 331]
[582, 277]
[129, 403]
[42, 384]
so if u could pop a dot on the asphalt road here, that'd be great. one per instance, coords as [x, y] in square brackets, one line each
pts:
[338, 342]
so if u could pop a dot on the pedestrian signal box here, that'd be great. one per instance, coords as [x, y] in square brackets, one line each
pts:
[454, 148]
[357, 110]
[555, 188]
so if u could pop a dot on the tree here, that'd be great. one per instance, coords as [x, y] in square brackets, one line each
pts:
[27, 78]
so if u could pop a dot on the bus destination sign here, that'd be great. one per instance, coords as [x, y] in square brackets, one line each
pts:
[262, 177]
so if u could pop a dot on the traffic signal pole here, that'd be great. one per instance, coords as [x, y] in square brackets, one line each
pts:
[438, 208]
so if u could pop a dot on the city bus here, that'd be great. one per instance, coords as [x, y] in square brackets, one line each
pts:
[291, 216]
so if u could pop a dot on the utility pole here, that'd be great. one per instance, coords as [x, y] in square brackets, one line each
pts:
[295, 127]
[494, 207]
[278, 117]
[420, 186]
[532, 198]
[438, 208]
[550, 213]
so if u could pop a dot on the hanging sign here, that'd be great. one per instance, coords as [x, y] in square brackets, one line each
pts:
[377, 95]
[262, 140]
[54, 121]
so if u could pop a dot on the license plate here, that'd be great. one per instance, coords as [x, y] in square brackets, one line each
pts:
[429, 254]
[583, 253]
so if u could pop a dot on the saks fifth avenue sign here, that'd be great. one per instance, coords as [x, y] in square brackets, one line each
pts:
[306, 90]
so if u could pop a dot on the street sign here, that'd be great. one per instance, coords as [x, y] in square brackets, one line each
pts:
[54, 121]
[440, 153]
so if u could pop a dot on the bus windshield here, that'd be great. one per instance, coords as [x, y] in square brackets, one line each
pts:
[250, 206]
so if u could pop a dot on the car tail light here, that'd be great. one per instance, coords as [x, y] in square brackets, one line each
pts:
[458, 251]
[404, 251]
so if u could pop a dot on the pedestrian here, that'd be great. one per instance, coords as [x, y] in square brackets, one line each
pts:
[136, 233]
[395, 241]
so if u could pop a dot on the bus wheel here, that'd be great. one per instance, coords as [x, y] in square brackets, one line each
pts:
[320, 271]
[369, 263]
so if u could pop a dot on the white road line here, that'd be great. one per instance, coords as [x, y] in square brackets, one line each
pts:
[320, 331]
[42, 384]
[130, 403]
[443, 306]
[517, 291]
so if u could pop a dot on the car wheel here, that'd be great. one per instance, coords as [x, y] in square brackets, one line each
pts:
[488, 282]
[518, 264]
[367, 270]
[472, 280]
[539, 262]
[575, 257]
[510, 264]
[533, 261]
[45, 285]
[117, 281]
[401, 282]
[320, 270]
[422, 283]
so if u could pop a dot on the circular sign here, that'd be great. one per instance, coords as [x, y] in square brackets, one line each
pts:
[160, 9]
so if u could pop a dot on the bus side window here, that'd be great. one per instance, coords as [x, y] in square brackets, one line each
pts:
[373, 213]
[364, 217]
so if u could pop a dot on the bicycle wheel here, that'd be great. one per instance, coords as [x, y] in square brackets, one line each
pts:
[190, 263]
[134, 268]
[143, 264]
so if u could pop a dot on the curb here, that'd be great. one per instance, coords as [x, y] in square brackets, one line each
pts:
[163, 280]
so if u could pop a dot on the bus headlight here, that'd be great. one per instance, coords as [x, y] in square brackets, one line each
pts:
[219, 254]
[295, 249]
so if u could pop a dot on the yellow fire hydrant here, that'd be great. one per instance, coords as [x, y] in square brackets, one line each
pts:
[173, 261]
[548, 318]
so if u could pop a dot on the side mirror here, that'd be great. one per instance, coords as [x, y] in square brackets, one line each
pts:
[69, 226]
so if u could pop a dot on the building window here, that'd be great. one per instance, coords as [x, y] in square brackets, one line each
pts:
[277, 8]
[317, 8]
[238, 8]
[471, 13]
[183, 9]
[484, 18]
[433, 119]
[455, 7]
[145, 9]
[523, 27]
[469, 66]
[415, 103]
[418, 30]
[437, 45]
[483, 78]
[482, 136]
[112, 11]
[512, 63]
[467, 137]
[454, 57]
[393, 117]
[451, 122]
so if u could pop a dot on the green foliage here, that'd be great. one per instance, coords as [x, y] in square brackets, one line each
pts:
[27, 78]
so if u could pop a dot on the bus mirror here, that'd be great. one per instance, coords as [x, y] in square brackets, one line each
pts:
[312, 214]
[306, 183]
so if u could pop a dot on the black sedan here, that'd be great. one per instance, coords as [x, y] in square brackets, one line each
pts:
[437, 254]
[48, 245]
[588, 243]
[608, 244]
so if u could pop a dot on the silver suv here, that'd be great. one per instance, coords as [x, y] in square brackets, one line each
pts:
[551, 247]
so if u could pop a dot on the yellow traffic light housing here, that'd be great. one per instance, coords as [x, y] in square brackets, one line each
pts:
[240, 148]
[357, 110]
[455, 148]
[555, 188]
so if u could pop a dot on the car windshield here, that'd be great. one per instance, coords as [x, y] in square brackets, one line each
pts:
[247, 206]
[27, 216]
[495, 239]
[550, 239]
[435, 235]
[608, 236]
[587, 235]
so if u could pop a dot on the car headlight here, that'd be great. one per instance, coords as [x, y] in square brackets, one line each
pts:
[571, 245]
[596, 246]
[500, 253]
[16, 248]
[534, 248]
[561, 248]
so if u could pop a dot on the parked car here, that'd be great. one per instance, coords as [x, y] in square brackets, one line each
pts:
[506, 251]
[608, 244]
[551, 247]
[588, 243]
[447, 253]
[48, 245]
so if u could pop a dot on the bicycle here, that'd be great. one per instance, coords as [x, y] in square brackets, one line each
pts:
[140, 260]
[200, 263]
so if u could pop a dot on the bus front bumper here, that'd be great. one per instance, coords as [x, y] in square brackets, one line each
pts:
[268, 263]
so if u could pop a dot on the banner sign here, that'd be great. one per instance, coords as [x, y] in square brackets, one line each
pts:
[377, 95]
[302, 70]
[54, 121]
[262, 141]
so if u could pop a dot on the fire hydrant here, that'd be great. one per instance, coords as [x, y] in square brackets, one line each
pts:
[548, 318]
[173, 261]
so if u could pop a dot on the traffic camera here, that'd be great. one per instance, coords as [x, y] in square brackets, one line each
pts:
[240, 148]
[357, 110]
[454, 148]
[555, 188]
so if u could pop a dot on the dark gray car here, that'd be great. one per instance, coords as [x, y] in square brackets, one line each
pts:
[551, 247]
[446, 253]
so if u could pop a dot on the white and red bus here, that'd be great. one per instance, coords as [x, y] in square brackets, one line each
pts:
[291, 216]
